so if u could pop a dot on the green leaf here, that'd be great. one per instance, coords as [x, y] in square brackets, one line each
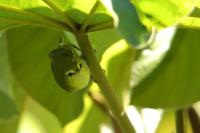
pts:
[7, 107]
[30, 64]
[9, 126]
[22, 12]
[172, 11]
[175, 82]
[78, 10]
[41, 13]
[167, 122]
[127, 21]
[149, 58]
[193, 21]
[117, 61]
[101, 41]
[90, 120]
[36, 119]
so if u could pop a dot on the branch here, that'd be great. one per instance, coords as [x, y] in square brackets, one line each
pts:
[68, 20]
[100, 26]
[99, 77]
[99, 101]
[87, 19]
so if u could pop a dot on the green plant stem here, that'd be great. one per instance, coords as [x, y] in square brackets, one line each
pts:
[179, 121]
[100, 26]
[88, 18]
[194, 120]
[99, 102]
[100, 78]
[68, 20]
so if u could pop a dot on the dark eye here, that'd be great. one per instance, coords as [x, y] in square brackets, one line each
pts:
[70, 74]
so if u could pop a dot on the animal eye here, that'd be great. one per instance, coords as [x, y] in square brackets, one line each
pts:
[70, 73]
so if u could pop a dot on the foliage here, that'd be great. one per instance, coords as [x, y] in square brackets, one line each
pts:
[148, 51]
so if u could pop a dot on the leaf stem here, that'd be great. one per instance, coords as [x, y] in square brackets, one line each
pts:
[88, 18]
[99, 77]
[100, 26]
[99, 102]
[68, 20]
[179, 121]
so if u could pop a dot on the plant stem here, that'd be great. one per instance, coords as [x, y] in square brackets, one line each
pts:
[68, 20]
[194, 120]
[87, 19]
[179, 121]
[99, 102]
[100, 26]
[100, 78]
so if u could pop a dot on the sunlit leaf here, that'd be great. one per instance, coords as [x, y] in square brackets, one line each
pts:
[90, 119]
[165, 12]
[167, 123]
[9, 126]
[8, 108]
[117, 61]
[40, 13]
[175, 82]
[101, 40]
[36, 119]
[31, 67]
[127, 21]
[193, 21]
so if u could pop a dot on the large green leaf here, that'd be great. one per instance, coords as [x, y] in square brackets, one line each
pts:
[167, 123]
[22, 12]
[117, 61]
[90, 120]
[41, 13]
[127, 21]
[8, 107]
[175, 82]
[9, 126]
[79, 9]
[165, 12]
[36, 119]
[150, 57]
[193, 21]
[101, 41]
[28, 49]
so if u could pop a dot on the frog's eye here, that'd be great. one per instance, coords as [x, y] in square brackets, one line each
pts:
[70, 73]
